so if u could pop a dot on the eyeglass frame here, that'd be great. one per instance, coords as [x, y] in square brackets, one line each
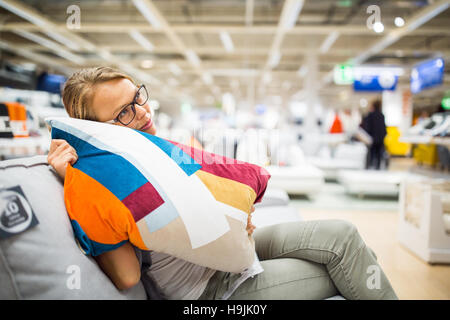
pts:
[133, 107]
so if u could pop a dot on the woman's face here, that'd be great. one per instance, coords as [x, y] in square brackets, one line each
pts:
[112, 96]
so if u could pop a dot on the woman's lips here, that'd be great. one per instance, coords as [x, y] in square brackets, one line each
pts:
[147, 125]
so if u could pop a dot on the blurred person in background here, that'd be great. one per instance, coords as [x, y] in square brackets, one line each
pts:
[375, 125]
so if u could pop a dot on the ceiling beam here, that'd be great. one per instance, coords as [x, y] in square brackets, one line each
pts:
[216, 29]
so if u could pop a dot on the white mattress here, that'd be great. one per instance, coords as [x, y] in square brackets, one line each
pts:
[304, 179]
[373, 182]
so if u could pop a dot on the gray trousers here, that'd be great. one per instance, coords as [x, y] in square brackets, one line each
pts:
[308, 260]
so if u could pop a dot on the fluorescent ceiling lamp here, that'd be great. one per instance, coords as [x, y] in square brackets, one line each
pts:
[267, 78]
[147, 64]
[139, 38]
[175, 69]
[274, 59]
[60, 51]
[207, 78]
[417, 22]
[35, 18]
[193, 58]
[226, 41]
[24, 13]
[105, 54]
[61, 39]
[289, 15]
[145, 8]
[329, 41]
[302, 71]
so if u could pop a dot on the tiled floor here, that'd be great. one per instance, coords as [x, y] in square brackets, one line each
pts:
[376, 220]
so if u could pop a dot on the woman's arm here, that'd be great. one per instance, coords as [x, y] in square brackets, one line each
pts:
[121, 266]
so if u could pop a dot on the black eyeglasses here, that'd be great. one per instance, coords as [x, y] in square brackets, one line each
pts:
[128, 113]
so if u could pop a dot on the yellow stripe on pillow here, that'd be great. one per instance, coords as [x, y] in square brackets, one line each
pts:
[230, 192]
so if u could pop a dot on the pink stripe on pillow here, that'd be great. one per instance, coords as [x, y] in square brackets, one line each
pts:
[232, 169]
[143, 201]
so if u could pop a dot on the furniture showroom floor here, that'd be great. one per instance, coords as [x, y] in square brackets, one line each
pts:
[376, 220]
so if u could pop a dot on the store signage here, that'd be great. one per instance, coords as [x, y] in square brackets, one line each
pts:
[446, 101]
[427, 74]
[343, 74]
[375, 79]
[52, 83]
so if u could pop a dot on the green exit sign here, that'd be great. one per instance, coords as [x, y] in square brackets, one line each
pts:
[343, 74]
[446, 103]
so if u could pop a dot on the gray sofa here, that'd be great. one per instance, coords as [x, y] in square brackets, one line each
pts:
[44, 261]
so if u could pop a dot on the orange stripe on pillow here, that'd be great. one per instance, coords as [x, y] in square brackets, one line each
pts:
[112, 224]
[231, 192]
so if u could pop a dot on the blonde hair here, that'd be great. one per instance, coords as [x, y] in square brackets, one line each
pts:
[78, 90]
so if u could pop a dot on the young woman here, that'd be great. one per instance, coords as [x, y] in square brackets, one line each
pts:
[301, 260]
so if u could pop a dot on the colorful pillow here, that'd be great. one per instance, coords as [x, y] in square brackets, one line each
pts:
[160, 195]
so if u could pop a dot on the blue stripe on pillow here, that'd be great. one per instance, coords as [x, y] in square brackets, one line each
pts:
[119, 176]
[162, 215]
[184, 161]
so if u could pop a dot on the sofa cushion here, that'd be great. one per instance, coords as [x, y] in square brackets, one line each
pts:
[44, 262]
[158, 194]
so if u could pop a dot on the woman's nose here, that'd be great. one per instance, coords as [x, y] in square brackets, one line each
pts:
[140, 111]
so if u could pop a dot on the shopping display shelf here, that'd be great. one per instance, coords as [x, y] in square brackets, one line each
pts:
[423, 226]
[23, 146]
[423, 139]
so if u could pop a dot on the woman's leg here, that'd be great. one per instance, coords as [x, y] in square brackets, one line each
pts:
[282, 279]
[335, 246]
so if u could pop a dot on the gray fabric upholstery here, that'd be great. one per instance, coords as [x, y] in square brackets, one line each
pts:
[36, 264]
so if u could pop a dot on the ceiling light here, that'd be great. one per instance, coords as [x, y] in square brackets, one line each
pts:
[378, 27]
[207, 78]
[139, 38]
[59, 50]
[329, 41]
[290, 13]
[399, 22]
[144, 7]
[226, 41]
[274, 59]
[35, 18]
[175, 69]
[147, 64]
[192, 58]
[302, 71]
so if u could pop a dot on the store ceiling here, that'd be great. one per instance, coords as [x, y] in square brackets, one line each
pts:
[187, 55]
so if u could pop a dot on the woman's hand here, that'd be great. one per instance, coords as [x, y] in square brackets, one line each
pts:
[60, 155]
[250, 227]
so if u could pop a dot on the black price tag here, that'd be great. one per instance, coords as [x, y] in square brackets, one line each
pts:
[16, 214]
